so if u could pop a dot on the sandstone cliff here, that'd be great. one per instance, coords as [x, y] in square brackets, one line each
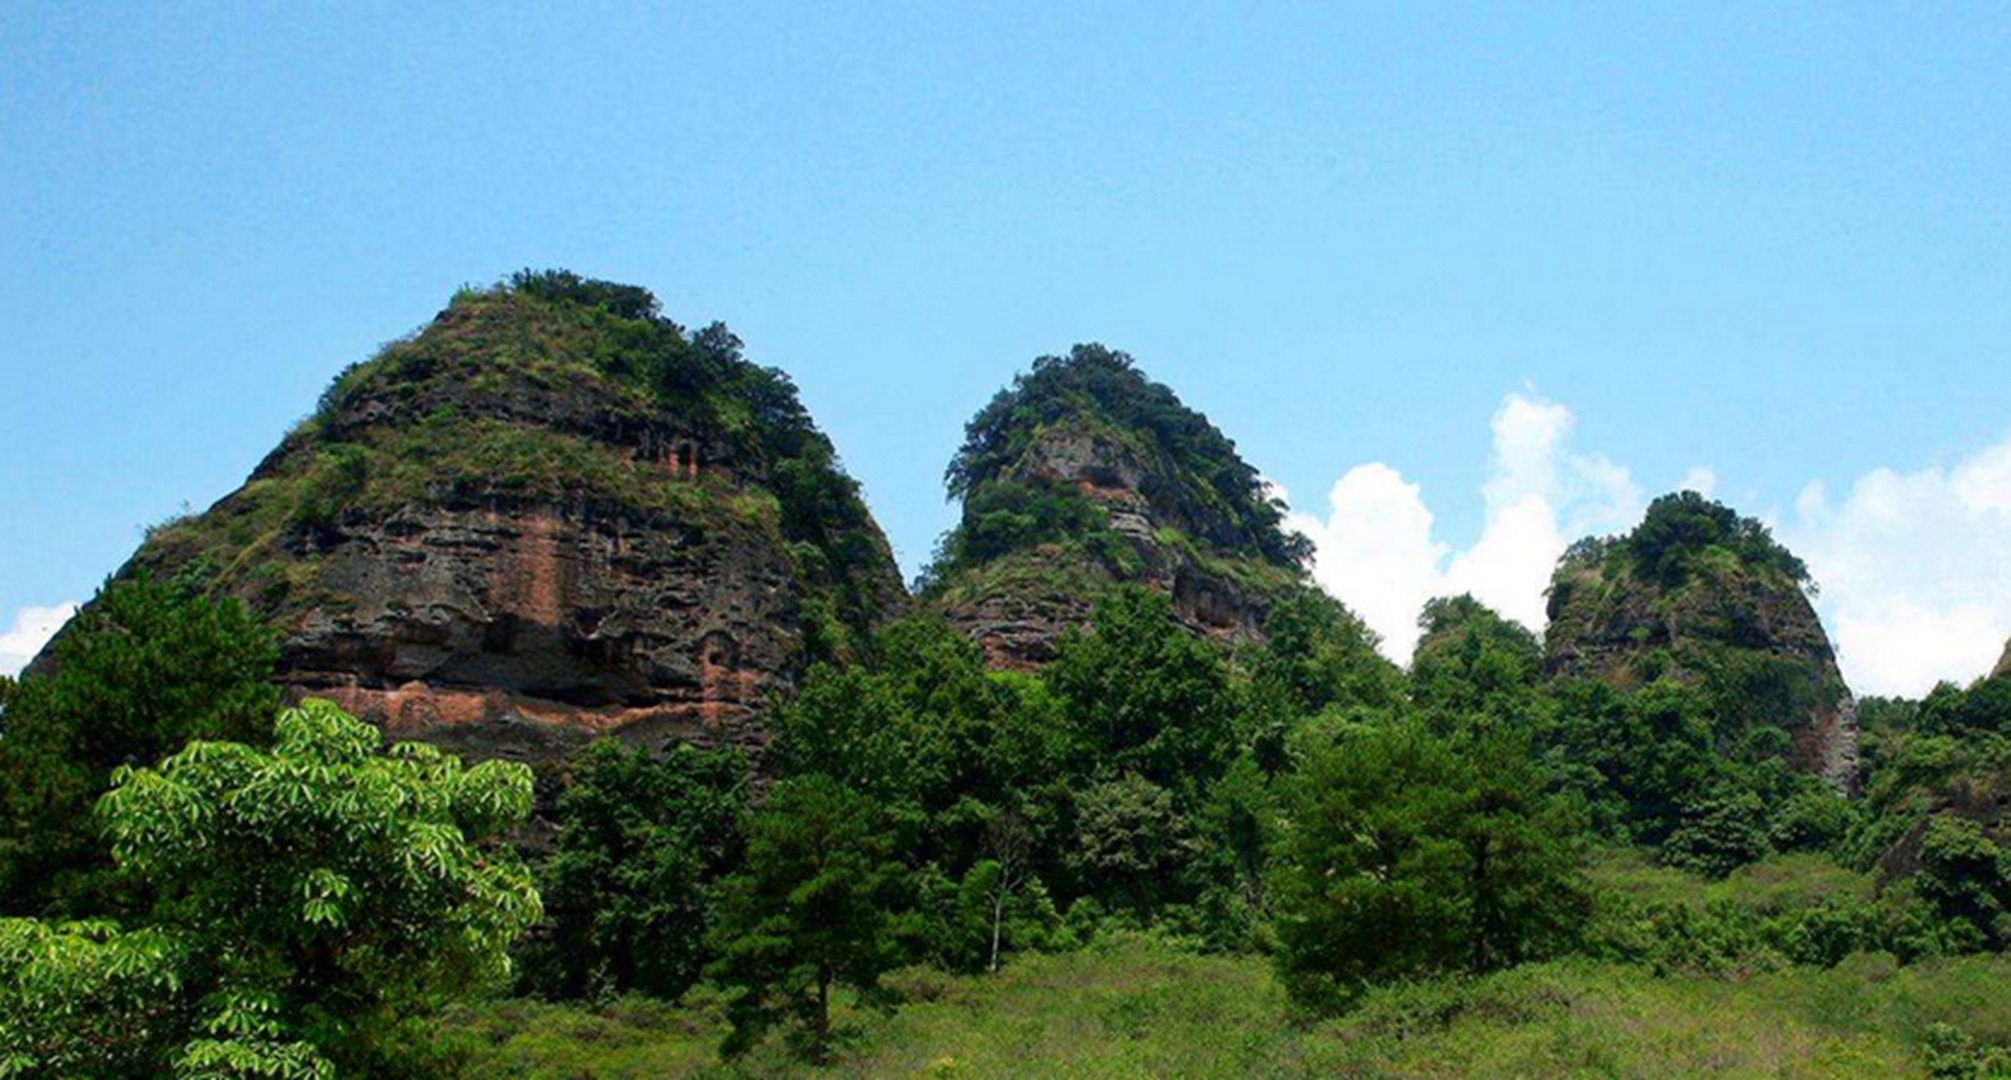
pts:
[1701, 595]
[1084, 475]
[549, 515]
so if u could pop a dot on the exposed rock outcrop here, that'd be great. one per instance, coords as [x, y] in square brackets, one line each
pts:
[1083, 476]
[549, 515]
[1729, 608]
[2003, 663]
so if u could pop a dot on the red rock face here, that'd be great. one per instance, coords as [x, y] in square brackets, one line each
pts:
[1019, 621]
[499, 537]
[522, 633]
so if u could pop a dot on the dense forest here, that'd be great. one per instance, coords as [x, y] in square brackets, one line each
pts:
[1159, 852]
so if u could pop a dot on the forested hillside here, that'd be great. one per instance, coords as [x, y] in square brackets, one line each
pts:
[1120, 794]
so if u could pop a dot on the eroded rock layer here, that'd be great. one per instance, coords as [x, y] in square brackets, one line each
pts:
[1725, 609]
[1084, 476]
[548, 516]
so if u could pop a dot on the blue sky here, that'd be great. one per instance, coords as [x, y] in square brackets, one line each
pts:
[1559, 254]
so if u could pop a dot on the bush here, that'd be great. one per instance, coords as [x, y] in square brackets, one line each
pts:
[1719, 832]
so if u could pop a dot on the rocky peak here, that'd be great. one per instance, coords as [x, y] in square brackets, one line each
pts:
[548, 515]
[1083, 475]
[1698, 593]
[2003, 663]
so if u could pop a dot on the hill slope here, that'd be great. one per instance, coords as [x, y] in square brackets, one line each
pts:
[1132, 1009]
[1707, 597]
[1084, 474]
[549, 514]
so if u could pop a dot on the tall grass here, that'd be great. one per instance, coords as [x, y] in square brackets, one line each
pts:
[1134, 1008]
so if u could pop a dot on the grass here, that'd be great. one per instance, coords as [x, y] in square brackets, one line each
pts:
[1134, 1008]
[1781, 883]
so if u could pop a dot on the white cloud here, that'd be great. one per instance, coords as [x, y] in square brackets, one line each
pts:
[1912, 569]
[1911, 565]
[1376, 552]
[1375, 549]
[33, 627]
[1700, 479]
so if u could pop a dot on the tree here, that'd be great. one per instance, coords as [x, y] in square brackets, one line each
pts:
[1238, 828]
[1679, 527]
[1720, 831]
[1009, 843]
[1967, 877]
[324, 893]
[925, 731]
[1317, 656]
[816, 908]
[1409, 856]
[1146, 696]
[143, 669]
[1132, 842]
[642, 845]
[1471, 662]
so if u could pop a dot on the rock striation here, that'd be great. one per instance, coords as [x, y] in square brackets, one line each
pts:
[1083, 476]
[549, 515]
[1703, 596]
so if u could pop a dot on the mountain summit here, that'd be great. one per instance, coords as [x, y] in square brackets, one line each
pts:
[552, 513]
[1706, 597]
[1083, 475]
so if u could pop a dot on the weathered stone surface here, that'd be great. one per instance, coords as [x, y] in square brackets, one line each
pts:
[1018, 605]
[1609, 624]
[519, 632]
[2003, 663]
[486, 541]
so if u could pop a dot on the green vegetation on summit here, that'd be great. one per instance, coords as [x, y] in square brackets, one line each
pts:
[551, 504]
[1122, 796]
[1699, 595]
[1101, 391]
[1084, 474]
[550, 387]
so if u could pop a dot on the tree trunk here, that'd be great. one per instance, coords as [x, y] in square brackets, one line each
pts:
[1483, 914]
[821, 1051]
[998, 922]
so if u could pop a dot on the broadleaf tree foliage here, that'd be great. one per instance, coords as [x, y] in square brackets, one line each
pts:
[312, 902]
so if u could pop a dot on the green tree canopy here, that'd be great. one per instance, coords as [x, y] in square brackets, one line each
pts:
[817, 907]
[643, 841]
[324, 892]
[1410, 855]
[1471, 662]
[143, 669]
[1317, 656]
[1680, 527]
[1147, 697]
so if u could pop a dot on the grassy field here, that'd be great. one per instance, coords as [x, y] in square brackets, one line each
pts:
[1137, 1009]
